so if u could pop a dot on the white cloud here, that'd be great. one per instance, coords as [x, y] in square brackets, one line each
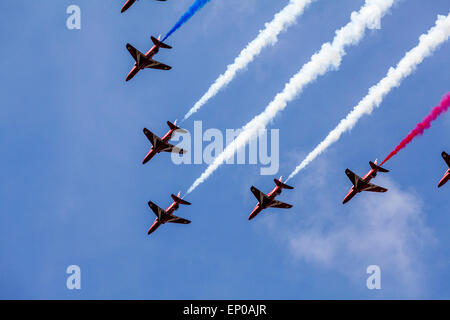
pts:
[382, 229]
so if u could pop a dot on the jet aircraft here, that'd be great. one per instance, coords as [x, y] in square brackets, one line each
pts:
[268, 200]
[143, 61]
[363, 184]
[161, 144]
[163, 216]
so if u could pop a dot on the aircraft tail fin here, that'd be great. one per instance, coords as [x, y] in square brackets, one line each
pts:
[280, 184]
[173, 126]
[177, 199]
[374, 166]
[161, 44]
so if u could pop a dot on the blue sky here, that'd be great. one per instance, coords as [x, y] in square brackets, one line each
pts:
[74, 191]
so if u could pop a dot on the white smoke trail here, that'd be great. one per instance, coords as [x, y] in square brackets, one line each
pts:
[329, 57]
[427, 44]
[281, 21]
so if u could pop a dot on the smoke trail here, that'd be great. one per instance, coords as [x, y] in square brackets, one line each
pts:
[197, 5]
[422, 126]
[329, 57]
[269, 36]
[427, 44]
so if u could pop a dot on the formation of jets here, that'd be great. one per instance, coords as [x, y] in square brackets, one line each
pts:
[265, 201]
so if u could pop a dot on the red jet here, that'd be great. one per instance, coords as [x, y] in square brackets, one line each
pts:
[446, 176]
[129, 3]
[161, 144]
[143, 61]
[363, 184]
[163, 216]
[268, 201]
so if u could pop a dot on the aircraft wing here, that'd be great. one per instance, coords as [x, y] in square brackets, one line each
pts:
[171, 148]
[374, 188]
[444, 179]
[446, 158]
[259, 195]
[175, 219]
[153, 64]
[127, 5]
[354, 178]
[135, 53]
[157, 210]
[279, 204]
[153, 138]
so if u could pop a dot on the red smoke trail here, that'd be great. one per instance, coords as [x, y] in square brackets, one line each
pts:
[422, 126]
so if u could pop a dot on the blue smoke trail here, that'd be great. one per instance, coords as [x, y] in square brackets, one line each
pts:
[198, 4]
